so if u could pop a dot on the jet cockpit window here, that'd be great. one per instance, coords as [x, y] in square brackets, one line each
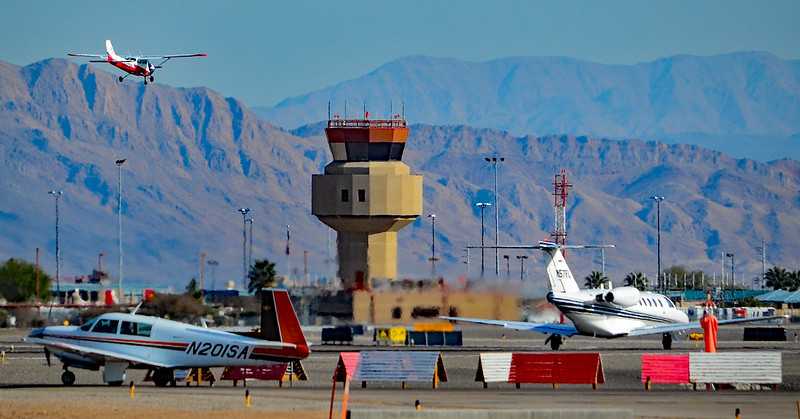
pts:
[88, 324]
[105, 326]
[135, 329]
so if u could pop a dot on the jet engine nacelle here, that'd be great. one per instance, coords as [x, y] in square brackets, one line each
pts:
[623, 296]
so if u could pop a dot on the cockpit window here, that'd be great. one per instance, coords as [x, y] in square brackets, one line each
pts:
[135, 329]
[105, 326]
[143, 62]
[88, 324]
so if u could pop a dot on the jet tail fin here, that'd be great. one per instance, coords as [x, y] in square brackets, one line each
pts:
[279, 321]
[558, 272]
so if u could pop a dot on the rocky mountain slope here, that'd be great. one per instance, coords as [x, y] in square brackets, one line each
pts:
[194, 157]
[746, 104]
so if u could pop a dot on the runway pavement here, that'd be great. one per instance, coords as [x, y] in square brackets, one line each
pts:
[28, 388]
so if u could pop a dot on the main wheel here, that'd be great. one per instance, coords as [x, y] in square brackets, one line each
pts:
[67, 378]
[162, 377]
[666, 341]
[555, 342]
[145, 81]
[120, 78]
[152, 79]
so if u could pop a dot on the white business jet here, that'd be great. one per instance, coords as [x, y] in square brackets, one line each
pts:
[602, 313]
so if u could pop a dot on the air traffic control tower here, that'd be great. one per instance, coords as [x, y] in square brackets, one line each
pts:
[367, 194]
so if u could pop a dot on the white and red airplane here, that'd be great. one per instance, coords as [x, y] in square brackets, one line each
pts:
[121, 341]
[134, 65]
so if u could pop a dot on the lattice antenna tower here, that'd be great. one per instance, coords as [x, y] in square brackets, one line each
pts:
[561, 187]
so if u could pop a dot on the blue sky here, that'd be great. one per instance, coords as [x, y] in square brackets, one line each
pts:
[262, 52]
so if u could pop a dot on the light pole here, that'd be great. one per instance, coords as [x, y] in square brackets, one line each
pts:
[658, 200]
[508, 266]
[213, 264]
[521, 259]
[57, 196]
[244, 212]
[733, 270]
[494, 161]
[482, 206]
[433, 258]
[250, 249]
[119, 163]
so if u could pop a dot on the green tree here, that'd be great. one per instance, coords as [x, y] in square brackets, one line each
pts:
[636, 279]
[192, 290]
[261, 275]
[18, 281]
[780, 279]
[596, 279]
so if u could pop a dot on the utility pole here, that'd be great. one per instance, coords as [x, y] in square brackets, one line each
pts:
[203, 276]
[733, 270]
[658, 200]
[119, 163]
[482, 206]
[494, 161]
[244, 212]
[521, 259]
[250, 249]
[57, 196]
[289, 240]
[433, 258]
[763, 265]
[305, 266]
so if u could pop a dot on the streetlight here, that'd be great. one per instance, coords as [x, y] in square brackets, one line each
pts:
[433, 258]
[658, 200]
[250, 249]
[508, 266]
[213, 264]
[733, 270]
[521, 259]
[244, 212]
[119, 163]
[494, 160]
[482, 206]
[57, 196]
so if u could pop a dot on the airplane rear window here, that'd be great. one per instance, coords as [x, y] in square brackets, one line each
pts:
[105, 326]
[88, 325]
[135, 329]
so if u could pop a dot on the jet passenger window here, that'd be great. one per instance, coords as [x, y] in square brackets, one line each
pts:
[135, 329]
[105, 326]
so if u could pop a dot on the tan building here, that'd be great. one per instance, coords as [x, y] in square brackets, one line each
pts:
[407, 306]
[367, 194]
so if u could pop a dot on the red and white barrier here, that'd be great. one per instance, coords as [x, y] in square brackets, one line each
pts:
[541, 368]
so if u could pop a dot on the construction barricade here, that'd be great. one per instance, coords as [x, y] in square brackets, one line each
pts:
[664, 369]
[541, 368]
[764, 368]
[280, 372]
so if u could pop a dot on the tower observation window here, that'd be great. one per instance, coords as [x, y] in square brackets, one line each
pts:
[345, 195]
[362, 195]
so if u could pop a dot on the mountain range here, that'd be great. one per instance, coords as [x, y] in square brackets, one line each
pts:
[746, 104]
[195, 157]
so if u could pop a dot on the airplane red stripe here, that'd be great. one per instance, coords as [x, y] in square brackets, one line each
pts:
[127, 341]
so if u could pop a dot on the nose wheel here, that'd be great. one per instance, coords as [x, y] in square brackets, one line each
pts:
[555, 342]
[67, 378]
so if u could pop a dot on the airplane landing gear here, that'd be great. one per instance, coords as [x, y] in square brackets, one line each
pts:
[666, 341]
[555, 341]
[152, 79]
[162, 377]
[145, 81]
[67, 377]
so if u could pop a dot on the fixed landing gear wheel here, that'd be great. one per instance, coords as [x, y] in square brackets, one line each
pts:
[152, 79]
[67, 378]
[162, 377]
[555, 342]
[145, 81]
[666, 341]
[120, 78]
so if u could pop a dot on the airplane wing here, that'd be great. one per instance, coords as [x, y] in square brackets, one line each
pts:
[546, 328]
[72, 54]
[96, 353]
[167, 57]
[678, 327]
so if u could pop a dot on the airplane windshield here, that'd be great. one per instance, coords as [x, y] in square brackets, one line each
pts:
[105, 326]
[88, 324]
[143, 62]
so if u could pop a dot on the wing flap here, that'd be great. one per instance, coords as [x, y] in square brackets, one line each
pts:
[546, 328]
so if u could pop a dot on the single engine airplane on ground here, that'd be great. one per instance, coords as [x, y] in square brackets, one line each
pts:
[119, 341]
[133, 65]
[602, 313]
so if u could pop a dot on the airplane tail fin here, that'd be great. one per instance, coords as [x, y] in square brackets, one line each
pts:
[110, 49]
[279, 321]
[559, 274]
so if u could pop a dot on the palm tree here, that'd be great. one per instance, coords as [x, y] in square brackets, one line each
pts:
[793, 283]
[637, 280]
[262, 275]
[778, 278]
[595, 280]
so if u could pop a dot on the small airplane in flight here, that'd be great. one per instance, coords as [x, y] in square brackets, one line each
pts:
[133, 65]
[121, 341]
[602, 313]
